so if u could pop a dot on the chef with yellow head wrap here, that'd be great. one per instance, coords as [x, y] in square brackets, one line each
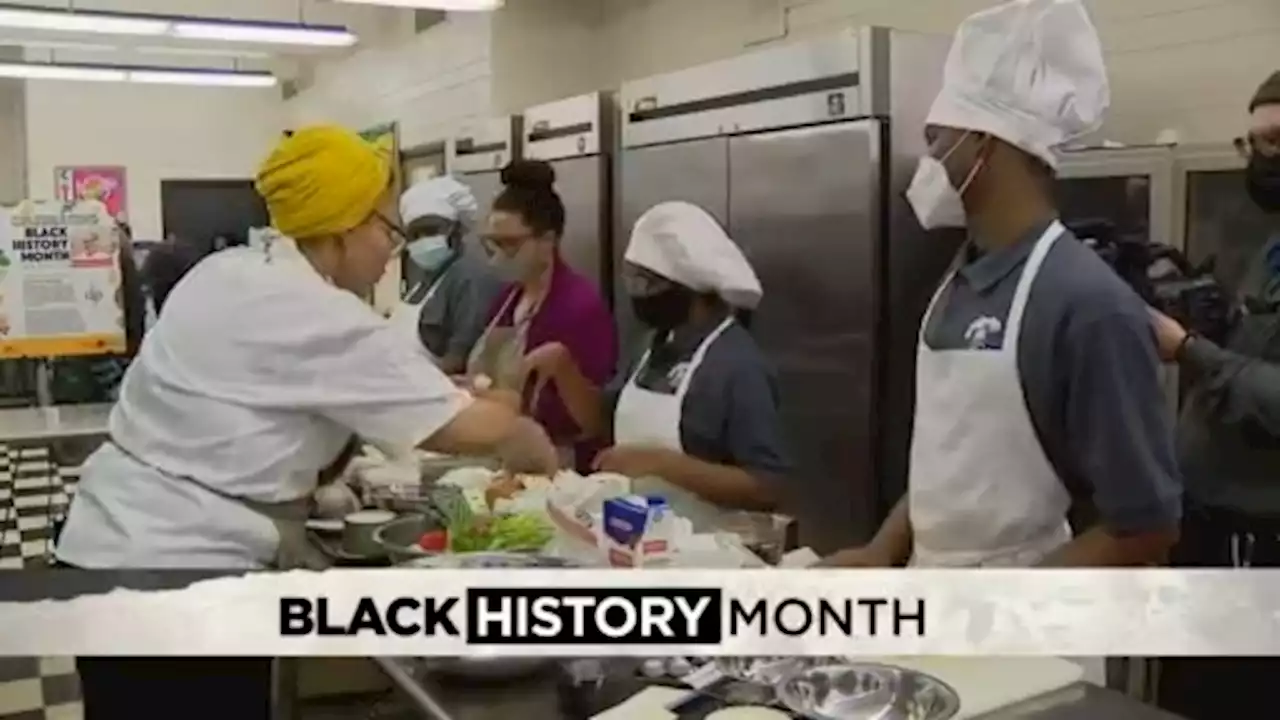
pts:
[263, 368]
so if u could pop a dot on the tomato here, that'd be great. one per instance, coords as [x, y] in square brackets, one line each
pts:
[434, 541]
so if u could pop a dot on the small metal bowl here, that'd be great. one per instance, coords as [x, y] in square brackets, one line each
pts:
[399, 538]
[762, 670]
[865, 691]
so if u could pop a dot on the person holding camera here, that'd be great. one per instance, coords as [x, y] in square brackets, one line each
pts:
[1229, 439]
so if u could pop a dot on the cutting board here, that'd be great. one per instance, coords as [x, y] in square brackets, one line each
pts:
[987, 684]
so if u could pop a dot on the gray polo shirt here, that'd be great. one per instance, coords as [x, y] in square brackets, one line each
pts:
[456, 315]
[730, 414]
[1089, 369]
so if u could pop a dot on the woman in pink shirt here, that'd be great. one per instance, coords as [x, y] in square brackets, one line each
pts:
[545, 302]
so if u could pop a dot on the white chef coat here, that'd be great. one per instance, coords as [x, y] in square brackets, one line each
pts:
[981, 491]
[647, 418]
[253, 379]
[408, 315]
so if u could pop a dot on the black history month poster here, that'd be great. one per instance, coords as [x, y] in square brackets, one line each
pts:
[60, 284]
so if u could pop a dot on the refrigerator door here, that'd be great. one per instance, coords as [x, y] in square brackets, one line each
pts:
[485, 186]
[805, 206]
[581, 183]
[695, 172]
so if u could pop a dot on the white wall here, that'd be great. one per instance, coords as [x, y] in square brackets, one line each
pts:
[429, 83]
[156, 132]
[1188, 65]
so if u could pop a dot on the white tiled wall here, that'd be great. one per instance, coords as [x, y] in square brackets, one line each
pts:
[156, 132]
[428, 83]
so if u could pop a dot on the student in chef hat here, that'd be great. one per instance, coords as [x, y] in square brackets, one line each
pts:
[447, 309]
[1022, 79]
[1057, 397]
[694, 418]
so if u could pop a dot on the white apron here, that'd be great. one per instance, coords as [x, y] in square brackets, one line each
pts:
[652, 419]
[499, 355]
[407, 316]
[981, 491]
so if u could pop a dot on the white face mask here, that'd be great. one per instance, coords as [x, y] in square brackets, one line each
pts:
[937, 203]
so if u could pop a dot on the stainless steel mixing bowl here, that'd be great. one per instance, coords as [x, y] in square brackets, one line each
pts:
[865, 691]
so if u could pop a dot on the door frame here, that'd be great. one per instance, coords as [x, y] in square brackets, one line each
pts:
[1189, 159]
[198, 183]
[1156, 163]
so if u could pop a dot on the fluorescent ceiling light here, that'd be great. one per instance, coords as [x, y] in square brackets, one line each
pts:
[451, 5]
[35, 71]
[143, 75]
[89, 22]
[268, 34]
[203, 52]
[182, 27]
[204, 78]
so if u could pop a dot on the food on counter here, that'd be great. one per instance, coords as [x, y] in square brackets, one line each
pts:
[511, 533]
[749, 712]
[336, 500]
[435, 541]
[654, 668]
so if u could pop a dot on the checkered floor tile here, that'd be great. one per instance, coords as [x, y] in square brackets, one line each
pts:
[34, 495]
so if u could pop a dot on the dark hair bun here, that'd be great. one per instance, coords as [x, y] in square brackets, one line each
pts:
[529, 175]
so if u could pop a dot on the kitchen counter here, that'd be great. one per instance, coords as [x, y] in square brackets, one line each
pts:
[56, 422]
[541, 696]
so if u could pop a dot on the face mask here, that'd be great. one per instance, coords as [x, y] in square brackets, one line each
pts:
[514, 268]
[663, 311]
[1263, 177]
[936, 202]
[431, 252]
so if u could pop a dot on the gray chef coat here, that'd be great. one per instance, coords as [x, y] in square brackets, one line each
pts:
[1088, 365]
[730, 414]
[455, 316]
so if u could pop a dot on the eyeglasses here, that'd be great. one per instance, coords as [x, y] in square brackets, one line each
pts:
[507, 245]
[1267, 144]
[641, 284]
[398, 236]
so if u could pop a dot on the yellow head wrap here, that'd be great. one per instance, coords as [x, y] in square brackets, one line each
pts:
[321, 181]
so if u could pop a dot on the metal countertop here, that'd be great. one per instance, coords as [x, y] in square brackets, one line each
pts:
[541, 697]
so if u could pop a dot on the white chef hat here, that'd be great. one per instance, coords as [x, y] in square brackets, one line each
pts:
[684, 244]
[442, 196]
[1029, 72]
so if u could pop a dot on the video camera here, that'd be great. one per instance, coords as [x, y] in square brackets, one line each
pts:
[1164, 278]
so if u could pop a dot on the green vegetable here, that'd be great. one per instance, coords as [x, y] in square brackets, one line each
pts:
[510, 533]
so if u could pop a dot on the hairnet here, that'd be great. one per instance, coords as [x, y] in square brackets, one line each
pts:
[321, 181]
[683, 243]
[1268, 93]
[442, 196]
[1029, 72]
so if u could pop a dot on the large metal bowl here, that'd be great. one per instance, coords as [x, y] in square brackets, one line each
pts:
[482, 669]
[400, 537]
[865, 691]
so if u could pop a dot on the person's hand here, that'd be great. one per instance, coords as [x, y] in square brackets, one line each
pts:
[509, 398]
[1170, 335]
[635, 460]
[866, 556]
[529, 450]
[546, 360]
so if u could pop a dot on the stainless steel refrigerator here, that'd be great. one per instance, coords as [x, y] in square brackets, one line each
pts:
[577, 137]
[803, 152]
[478, 153]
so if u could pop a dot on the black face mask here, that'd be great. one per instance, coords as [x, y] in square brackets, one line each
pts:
[663, 311]
[1263, 177]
